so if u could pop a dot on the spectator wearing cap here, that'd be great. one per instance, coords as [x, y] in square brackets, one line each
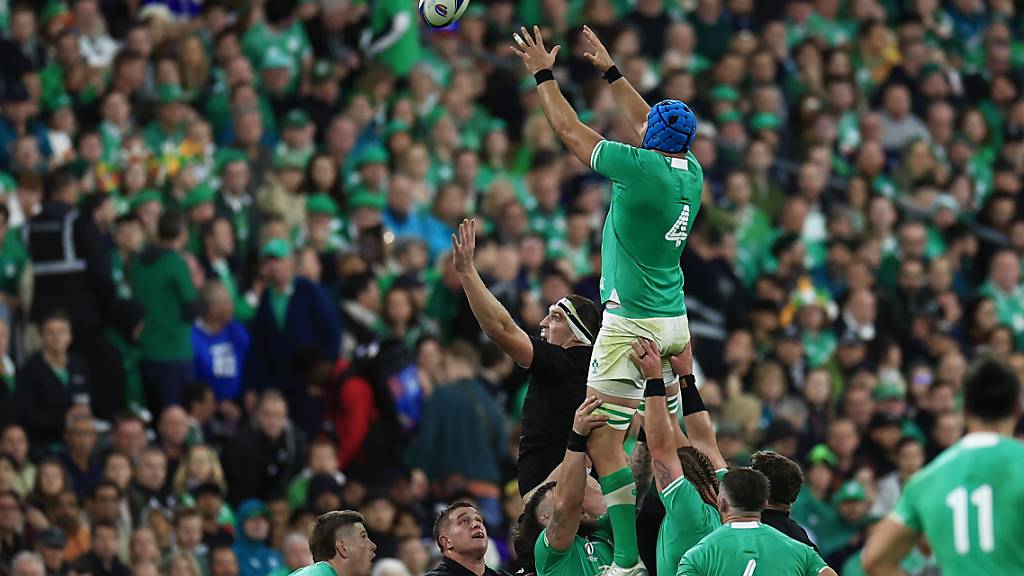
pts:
[50, 545]
[323, 493]
[255, 557]
[50, 383]
[162, 282]
[293, 313]
[220, 343]
[167, 131]
[324, 100]
[280, 192]
[265, 453]
[321, 233]
[297, 134]
[198, 208]
[847, 535]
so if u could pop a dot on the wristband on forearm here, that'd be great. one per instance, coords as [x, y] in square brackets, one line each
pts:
[542, 76]
[612, 74]
[655, 387]
[692, 402]
[577, 442]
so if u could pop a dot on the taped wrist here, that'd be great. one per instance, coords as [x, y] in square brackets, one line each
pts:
[577, 442]
[655, 387]
[542, 76]
[612, 74]
[692, 402]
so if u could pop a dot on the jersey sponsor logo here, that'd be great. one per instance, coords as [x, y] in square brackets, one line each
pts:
[677, 233]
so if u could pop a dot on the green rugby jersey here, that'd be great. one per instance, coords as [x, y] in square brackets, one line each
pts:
[967, 504]
[655, 200]
[584, 557]
[688, 519]
[750, 549]
[318, 569]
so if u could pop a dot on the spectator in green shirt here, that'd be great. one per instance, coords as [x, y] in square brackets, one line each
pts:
[162, 283]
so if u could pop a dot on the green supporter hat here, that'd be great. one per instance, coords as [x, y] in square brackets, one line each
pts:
[850, 491]
[144, 197]
[57, 102]
[295, 119]
[822, 454]
[276, 248]
[495, 125]
[888, 391]
[728, 116]
[724, 93]
[53, 9]
[169, 94]
[395, 127]
[321, 204]
[475, 11]
[226, 156]
[367, 200]
[374, 154]
[765, 121]
[290, 160]
[199, 195]
[275, 58]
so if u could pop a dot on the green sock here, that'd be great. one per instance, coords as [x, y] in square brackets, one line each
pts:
[619, 491]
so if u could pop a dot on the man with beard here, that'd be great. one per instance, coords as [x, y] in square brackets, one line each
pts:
[555, 536]
[461, 536]
[340, 546]
[558, 362]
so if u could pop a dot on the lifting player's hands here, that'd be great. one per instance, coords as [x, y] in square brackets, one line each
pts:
[532, 51]
[596, 53]
[586, 421]
[464, 246]
[682, 363]
[647, 357]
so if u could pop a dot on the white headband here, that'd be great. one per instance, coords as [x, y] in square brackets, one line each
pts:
[579, 329]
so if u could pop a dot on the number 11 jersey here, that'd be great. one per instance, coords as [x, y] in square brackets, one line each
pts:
[967, 503]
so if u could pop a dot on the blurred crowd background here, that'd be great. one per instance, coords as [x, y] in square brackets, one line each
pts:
[228, 303]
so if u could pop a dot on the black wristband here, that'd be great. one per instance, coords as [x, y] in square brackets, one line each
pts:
[641, 436]
[542, 76]
[577, 442]
[612, 74]
[692, 402]
[690, 380]
[655, 387]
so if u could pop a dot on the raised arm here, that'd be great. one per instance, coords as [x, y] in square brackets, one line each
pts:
[661, 439]
[699, 429]
[494, 320]
[572, 479]
[577, 136]
[633, 105]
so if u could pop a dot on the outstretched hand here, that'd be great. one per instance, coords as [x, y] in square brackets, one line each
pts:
[464, 246]
[596, 53]
[532, 51]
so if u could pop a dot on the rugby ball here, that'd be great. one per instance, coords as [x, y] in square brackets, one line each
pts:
[442, 13]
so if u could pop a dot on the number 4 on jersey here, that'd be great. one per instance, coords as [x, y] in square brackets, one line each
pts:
[677, 233]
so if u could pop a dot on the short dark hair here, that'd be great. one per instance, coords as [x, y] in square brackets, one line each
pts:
[194, 393]
[182, 514]
[170, 225]
[104, 523]
[55, 314]
[326, 529]
[991, 391]
[101, 485]
[445, 515]
[354, 285]
[784, 476]
[528, 528]
[745, 489]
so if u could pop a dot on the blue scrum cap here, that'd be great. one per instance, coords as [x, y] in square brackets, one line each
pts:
[671, 127]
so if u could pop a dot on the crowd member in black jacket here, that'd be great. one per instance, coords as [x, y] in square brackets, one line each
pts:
[102, 560]
[49, 383]
[69, 257]
[461, 535]
[265, 454]
[146, 492]
[785, 479]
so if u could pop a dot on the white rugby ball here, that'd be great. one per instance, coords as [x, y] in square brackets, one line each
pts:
[442, 13]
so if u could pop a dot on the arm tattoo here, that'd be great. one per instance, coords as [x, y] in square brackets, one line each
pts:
[662, 475]
[640, 463]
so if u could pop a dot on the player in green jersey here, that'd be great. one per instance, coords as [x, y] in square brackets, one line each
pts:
[743, 545]
[656, 193]
[340, 546]
[686, 478]
[966, 503]
[555, 538]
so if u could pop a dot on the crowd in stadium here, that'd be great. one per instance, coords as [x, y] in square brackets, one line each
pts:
[229, 303]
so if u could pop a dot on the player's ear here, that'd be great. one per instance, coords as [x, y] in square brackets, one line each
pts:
[339, 548]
